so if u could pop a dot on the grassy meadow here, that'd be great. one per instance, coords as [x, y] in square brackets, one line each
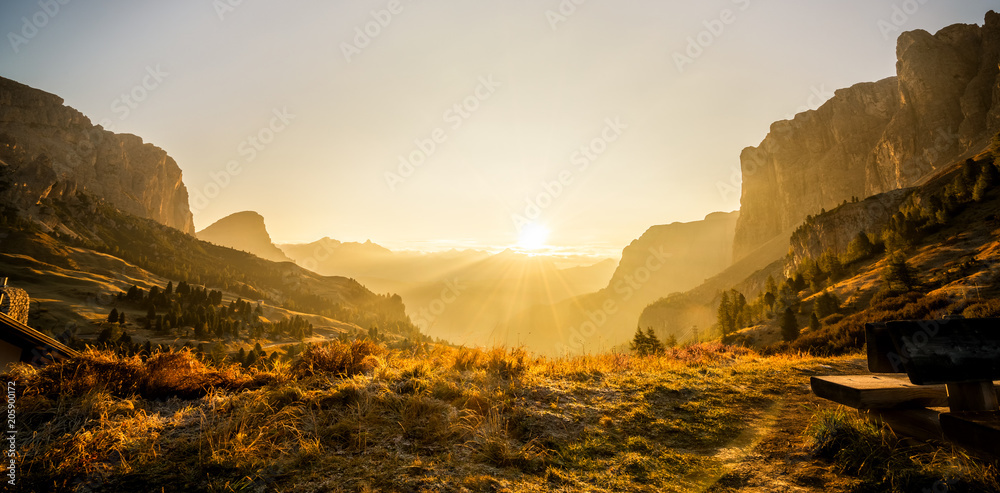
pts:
[358, 417]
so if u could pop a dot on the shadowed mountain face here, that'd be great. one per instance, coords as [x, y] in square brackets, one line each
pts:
[53, 151]
[875, 137]
[244, 231]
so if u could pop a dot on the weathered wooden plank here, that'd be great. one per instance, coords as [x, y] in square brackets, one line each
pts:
[878, 343]
[878, 391]
[923, 423]
[975, 431]
[975, 396]
[947, 351]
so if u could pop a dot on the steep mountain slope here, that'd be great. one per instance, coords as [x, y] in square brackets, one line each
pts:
[243, 231]
[928, 251]
[86, 212]
[53, 149]
[943, 104]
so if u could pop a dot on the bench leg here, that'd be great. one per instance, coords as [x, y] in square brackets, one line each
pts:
[975, 396]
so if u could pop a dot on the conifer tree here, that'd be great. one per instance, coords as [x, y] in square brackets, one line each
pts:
[789, 326]
[814, 324]
[898, 274]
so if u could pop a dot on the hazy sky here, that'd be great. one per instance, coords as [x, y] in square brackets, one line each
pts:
[533, 86]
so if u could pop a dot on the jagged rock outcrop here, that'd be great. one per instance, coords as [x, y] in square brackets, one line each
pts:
[836, 229]
[244, 231]
[50, 149]
[875, 137]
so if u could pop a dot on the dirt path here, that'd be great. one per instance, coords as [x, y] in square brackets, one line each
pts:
[778, 460]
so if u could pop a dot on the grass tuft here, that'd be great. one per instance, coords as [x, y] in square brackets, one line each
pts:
[339, 358]
[886, 463]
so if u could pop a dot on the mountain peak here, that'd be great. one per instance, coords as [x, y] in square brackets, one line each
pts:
[243, 231]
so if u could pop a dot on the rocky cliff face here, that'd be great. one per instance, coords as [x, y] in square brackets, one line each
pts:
[835, 230]
[243, 231]
[51, 149]
[676, 257]
[876, 137]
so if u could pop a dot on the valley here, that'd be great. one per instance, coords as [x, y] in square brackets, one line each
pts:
[224, 357]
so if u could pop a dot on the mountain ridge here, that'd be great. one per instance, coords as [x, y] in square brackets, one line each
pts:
[55, 150]
[943, 104]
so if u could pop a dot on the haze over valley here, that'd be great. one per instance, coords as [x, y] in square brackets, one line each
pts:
[569, 246]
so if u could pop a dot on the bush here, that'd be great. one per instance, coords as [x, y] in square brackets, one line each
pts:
[168, 374]
[339, 358]
[984, 309]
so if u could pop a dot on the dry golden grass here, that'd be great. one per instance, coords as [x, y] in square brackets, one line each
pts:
[357, 417]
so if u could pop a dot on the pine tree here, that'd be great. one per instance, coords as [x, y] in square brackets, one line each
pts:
[982, 186]
[121, 317]
[655, 346]
[639, 341]
[646, 343]
[726, 322]
[769, 300]
[860, 248]
[789, 326]
[671, 341]
[827, 304]
[113, 316]
[898, 275]
[814, 324]
[105, 335]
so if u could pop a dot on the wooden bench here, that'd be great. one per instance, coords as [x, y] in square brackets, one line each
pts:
[949, 387]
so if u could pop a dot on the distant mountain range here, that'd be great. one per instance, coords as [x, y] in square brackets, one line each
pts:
[941, 107]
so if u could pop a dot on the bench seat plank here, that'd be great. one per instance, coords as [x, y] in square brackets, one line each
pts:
[878, 391]
[976, 431]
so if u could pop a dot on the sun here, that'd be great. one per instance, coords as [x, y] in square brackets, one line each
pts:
[532, 237]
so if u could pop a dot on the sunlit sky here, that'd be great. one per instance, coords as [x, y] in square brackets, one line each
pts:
[533, 86]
